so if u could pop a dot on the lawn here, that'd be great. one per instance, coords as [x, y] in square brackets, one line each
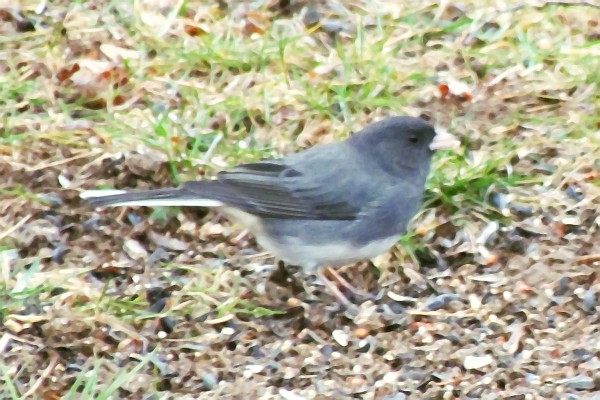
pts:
[492, 294]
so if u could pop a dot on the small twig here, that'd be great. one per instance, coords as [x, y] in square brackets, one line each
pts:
[64, 161]
[13, 228]
[212, 147]
[38, 167]
[587, 260]
[170, 19]
[53, 362]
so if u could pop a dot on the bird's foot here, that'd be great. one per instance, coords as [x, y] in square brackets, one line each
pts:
[350, 307]
[348, 286]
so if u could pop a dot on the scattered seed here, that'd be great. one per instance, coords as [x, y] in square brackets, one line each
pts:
[134, 249]
[477, 362]
[579, 382]
[438, 302]
[361, 333]
[341, 337]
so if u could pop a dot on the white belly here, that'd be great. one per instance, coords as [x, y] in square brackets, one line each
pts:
[312, 256]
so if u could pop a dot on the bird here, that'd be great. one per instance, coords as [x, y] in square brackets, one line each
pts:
[327, 206]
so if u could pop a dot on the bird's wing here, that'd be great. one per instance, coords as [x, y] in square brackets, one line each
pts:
[274, 189]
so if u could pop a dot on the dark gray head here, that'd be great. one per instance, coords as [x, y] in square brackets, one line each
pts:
[400, 144]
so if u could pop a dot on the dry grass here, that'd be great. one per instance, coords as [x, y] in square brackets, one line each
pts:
[493, 294]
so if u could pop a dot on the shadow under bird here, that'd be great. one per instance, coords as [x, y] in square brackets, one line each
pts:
[327, 206]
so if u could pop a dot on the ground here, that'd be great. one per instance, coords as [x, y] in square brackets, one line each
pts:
[492, 294]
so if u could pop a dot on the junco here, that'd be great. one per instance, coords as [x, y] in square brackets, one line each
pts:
[330, 205]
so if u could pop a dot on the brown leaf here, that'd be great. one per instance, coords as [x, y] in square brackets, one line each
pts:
[250, 27]
[67, 72]
[194, 30]
[444, 90]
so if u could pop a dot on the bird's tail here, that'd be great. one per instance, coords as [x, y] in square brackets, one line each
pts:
[147, 198]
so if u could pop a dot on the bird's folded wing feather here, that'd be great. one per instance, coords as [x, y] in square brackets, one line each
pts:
[274, 189]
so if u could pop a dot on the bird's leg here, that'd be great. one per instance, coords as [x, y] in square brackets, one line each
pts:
[334, 289]
[347, 285]
[283, 278]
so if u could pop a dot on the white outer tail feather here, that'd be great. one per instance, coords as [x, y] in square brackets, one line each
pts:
[91, 194]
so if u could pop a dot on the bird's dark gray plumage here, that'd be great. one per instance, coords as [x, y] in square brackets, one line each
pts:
[330, 205]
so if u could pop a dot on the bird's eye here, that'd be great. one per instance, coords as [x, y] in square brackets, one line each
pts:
[413, 139]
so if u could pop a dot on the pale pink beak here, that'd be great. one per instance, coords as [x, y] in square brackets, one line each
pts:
[444, 140]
